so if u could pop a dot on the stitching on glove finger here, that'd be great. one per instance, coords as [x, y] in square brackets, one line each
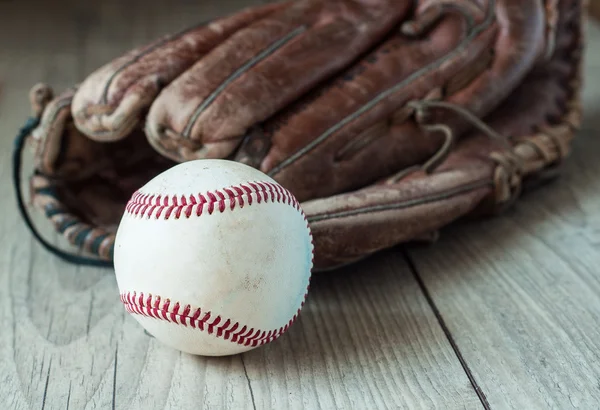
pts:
[143, 53]
[238, 73]
[455, 54]
[463, 189]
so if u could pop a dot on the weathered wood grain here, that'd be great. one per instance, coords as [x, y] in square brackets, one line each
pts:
[521, 293]
[366, 339]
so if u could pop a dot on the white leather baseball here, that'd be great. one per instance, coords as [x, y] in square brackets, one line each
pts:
[213, 257]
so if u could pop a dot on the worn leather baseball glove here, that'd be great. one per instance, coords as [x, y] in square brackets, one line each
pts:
[388, 119]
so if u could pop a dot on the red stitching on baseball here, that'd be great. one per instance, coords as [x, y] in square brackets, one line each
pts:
[248, 193]
[147, 205]
[150, 306]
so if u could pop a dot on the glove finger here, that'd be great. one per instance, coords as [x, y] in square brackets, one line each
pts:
[80, 184]
[61, 151]
[110, 102]
[363, 125]
[480, 175]
[64, 154]
[262, 68]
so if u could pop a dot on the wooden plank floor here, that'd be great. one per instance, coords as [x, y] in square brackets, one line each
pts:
[522, 298]
[499, 314]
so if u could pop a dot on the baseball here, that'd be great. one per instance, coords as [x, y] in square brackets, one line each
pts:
[213, 257]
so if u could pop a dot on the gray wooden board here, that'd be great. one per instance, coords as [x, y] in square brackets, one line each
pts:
[367, 337]
[521, 293]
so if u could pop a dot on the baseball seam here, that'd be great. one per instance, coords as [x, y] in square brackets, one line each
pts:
[167, 206]
[155, 307]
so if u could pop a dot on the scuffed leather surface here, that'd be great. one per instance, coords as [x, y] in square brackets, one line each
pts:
[415, 66]
[322, 96]
[109, 103]
[205, 112]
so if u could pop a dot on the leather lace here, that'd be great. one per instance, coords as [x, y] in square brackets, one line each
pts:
[420, 111]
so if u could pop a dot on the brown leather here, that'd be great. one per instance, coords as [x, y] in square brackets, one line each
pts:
[594, 9]
[541, 116]
[261, 69]
[387, 119]
[111, 100]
